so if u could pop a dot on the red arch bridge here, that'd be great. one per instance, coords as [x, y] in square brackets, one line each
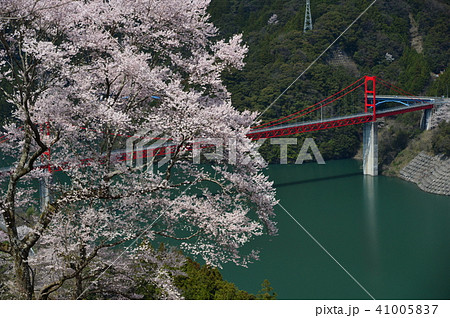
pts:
[374, 107]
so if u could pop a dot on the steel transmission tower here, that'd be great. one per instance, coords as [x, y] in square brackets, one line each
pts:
[308, 18]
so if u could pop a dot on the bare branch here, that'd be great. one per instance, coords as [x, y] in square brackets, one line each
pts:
[179, 238]
[53, 287]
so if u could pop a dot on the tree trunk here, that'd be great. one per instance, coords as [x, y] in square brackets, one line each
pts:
[79, 277]
[24, 282]
[79, 286]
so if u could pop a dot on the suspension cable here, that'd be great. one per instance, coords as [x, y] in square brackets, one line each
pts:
[305, 109]
[312, 110]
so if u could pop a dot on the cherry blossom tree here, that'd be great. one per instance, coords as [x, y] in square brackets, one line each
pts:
[81, 76]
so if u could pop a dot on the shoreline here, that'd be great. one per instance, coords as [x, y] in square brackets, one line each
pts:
[430, 173]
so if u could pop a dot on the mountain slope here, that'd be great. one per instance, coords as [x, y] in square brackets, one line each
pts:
[406, 42]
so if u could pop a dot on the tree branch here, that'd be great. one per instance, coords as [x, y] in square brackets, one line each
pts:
[51, 288]
[5, 247]
[179, 238]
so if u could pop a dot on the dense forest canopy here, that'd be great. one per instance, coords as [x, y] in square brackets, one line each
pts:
[405, 42]
[279, 50]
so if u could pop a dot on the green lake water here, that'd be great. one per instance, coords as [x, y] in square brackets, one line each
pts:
[393, 238]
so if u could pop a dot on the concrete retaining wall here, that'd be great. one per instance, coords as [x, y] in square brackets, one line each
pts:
[430, 173]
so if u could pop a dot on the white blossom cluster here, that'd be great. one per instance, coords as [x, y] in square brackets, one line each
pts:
[80, 76]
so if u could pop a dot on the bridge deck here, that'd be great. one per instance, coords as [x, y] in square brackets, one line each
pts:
[403, 109]
[361, 118]
[118, 155]
[281, 130]
[396, 97]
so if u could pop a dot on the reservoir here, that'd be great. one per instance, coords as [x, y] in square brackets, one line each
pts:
[393, 238]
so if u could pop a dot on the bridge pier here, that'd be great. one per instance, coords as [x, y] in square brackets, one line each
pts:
[370, 149]
[44, 193]
[425, 121]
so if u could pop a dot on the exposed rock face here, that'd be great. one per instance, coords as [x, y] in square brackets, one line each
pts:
[442, 113]
[340, 58]
[416, 39]
[430, 173]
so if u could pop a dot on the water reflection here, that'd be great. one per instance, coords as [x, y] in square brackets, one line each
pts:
[370, 187]
[393, 237]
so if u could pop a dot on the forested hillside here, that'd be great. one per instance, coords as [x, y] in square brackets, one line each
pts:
[406, 42]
